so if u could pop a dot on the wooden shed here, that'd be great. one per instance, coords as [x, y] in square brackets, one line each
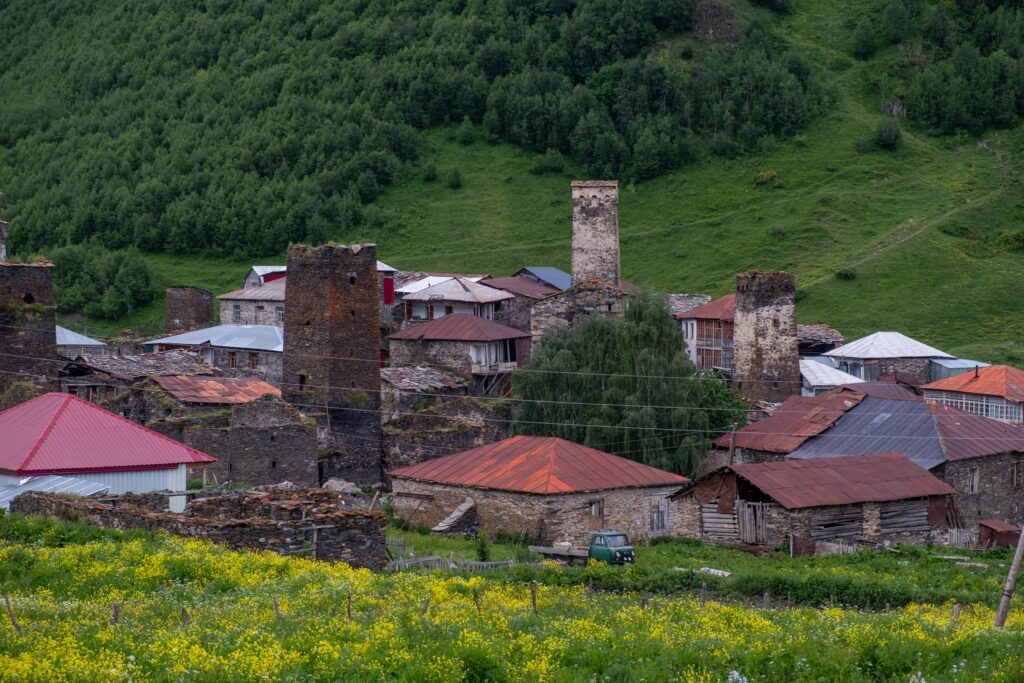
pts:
[995, 533]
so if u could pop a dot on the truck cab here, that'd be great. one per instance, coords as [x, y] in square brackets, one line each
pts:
[612, 547]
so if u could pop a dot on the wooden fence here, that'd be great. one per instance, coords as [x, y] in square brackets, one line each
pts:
[437, 562]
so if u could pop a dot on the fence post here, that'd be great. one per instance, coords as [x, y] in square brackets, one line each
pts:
[348, 606]
[955, 615]
[277, 608]
[533, 596]
[766, 600]
[426, 606]
[476, 600]
[185, 618]
[10, 614]
[1011, 581]
[116, 614]
[703, 590]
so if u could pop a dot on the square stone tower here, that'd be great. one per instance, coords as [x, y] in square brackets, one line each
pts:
[595, 231]
[766, 360]
[28, 332]
[332, 349]
[188, 308]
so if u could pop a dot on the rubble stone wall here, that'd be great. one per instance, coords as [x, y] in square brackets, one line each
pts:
[269, 364]
[595, 231]
[569, 307]
[766, 360]
[453, 355]
[251, 312]
[188, 308]
[27, 322]
[448, 426]
[996, 497]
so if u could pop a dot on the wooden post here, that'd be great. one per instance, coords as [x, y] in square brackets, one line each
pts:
[277, 608]
[955, 615]
[1011, 582]
[732, 445]
[117, 609]
[426, 605]
[703, 590]
[643, 602]
[765, 600]
[185, 618]
[10, 614]
[533, 596]
[374, 501]
[348, 606]
[476, 600]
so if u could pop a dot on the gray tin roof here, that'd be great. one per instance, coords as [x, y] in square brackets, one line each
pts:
[51, 483]
[250, 337]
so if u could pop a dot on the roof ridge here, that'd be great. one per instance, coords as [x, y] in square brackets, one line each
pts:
[43, 435]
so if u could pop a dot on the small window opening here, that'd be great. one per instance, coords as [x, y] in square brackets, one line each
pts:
[353, 312]
[351, 278]
[28, 298]
[302, 381]
[273, 464]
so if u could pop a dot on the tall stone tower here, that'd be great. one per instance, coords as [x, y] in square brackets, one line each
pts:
[766, 362]
[188, 308]
[28, 332]
[595, 231]
[332, 347]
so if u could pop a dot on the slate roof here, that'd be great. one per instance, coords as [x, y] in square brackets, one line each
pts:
[796, 484]
[523, 286]
[271, 291]
[66, 337]
[557, 278]
[540, 465]
[459, 289]
[817, 374]
[250, 337]
[816, 333]
[886, 345]
[681, 303]
[62, 434]
[459, 327]
[421, 378]
[894, 391]
[1005, 381]
[722, 308]
[130, 368]
[216, 390]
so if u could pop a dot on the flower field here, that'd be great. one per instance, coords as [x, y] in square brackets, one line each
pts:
[192, 611]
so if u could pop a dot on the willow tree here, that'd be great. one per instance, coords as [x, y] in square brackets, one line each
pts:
[626, 387]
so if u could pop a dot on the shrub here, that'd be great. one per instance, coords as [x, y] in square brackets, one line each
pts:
[888, 134]
[765, 177]
[430, 173]
[482, 545]
[777, 232]
[466, 134]
[550, 161]
[845, 274]
[864, 40]
[454, 179]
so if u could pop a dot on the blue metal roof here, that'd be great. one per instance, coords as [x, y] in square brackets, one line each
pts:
[66, 337]
[559, 279]
[249, 337]
[51, 484]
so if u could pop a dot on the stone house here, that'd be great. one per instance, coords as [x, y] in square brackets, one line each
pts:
[995, 391]
[259, 304]
[445, 425]
[187, 308]
[71, 344]
[869, 498]
[105, 377]
[708, 333]
[537, 487]
[882, 353]
[236, 350]
[486, 351]
[164, 396]
[407, 389]
[454, 296]
[526, 292]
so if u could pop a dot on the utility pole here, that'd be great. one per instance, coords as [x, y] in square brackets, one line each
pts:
[1011, 581]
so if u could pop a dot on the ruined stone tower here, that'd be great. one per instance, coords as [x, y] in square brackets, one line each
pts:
[766, 363]
[3, 240]
[332, 347]
[595, 231]
[188, 308]
[28, 333]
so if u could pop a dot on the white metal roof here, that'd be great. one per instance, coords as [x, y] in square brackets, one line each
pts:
[459, 289]
[431, 280]
[51, 483]
[886, 345]
[818, 374]
[267, 270]
[66, 337]
[252, 337]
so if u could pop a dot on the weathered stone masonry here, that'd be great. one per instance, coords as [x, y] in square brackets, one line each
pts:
[766, 360]
[595, 231]
[188, 308]
[27, 322]
[307, 522]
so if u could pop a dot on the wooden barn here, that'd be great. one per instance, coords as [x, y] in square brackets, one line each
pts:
[861, 498]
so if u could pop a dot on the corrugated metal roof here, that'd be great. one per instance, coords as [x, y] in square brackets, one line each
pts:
[459, 327]
[173, 362]
[891, 390]
[523, 286]
[798, 484]
[249, 337]
[271, 291]
[959, 363]
[998, 525]
[458, 289]
[66, 337]
[886, 345]
[996, 380]
[816, 374]
[796, 420]
[722, 308]
[966, 435]
[216, 390]
[538, 464]
[62, 434]
[557, 278]
[410, 283]
[51, 484]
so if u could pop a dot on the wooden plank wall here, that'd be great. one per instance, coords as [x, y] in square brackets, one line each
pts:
[905, 515]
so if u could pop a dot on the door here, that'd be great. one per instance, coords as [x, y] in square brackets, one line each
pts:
[596, 516]
[753, 523]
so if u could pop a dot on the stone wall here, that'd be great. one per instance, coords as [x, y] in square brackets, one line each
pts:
[453, 355]
[595, 231]
[446, 426]
[332, 337]
[919, 370]
[188, 308]
[27, 326]
[251, 312]
[269, 364]
[569, 307]
[766, 361]
[550, 518]
[516, 313]
[308, 522]
[719, 457]
[997, 497]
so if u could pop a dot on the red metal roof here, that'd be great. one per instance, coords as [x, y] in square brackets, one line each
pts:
[723, 308]
[62, 434]
[795, 421]
[965, 435]
[524, 286]
[998, 525]
[459, 327]
[842, 480]
[538, 464]
[995, 380]
[216, 390]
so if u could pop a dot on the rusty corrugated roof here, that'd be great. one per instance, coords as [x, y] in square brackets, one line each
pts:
[523, 286]
[216, 390]
[966, 435]
[842, 481]
[892, 390]
[459, 327]
[538, 464]
[722, 308]
[998, 525]
[795, 421]
[995, 380]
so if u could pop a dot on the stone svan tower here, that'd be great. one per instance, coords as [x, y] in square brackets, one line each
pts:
[3, 240]
[766, 362]
[595, 231]
[332, 351]
[188, 308]
[28, 332]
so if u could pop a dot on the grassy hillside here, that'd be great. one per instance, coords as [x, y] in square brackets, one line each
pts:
[919, 233]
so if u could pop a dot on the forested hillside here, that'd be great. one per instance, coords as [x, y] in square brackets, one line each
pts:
[872, 148]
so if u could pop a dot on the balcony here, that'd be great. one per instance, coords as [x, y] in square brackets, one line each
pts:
[493, 368]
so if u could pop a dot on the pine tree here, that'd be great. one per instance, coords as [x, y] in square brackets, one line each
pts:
[864, 40]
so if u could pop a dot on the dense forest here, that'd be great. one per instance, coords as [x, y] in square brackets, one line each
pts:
[236, 126]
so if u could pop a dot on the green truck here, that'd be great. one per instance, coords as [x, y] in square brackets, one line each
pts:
[607, 546]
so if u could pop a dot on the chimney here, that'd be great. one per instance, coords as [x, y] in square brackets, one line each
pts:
[595, 231]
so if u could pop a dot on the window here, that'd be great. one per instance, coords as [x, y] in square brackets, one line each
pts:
[1016, 474]
[659, 515]
[279, 314]
[973, 479]
[232, 359]
[236, 314]
[254, 361]
[259, 308]
[351, 278]
[448, 310]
